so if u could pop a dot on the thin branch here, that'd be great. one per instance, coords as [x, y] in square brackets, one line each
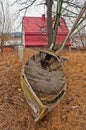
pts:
[69, 11]
[23, 8]
[14, 3]
[78, 31]
[72, 4]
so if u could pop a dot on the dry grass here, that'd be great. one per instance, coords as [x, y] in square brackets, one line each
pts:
[70, 114]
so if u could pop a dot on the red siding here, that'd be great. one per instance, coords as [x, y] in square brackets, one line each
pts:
[33, 35]
[7, 49]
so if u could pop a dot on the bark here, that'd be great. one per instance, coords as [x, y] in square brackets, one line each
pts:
[49, 4]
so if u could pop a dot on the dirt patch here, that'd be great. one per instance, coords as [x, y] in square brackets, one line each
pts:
[70, 113]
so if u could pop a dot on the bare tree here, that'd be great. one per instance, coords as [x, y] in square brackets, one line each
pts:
[65, 8]
[5, 23]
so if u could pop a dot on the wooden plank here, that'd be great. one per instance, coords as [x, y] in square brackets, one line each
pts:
[42, 80]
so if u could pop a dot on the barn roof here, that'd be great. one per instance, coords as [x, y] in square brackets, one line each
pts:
[34, 25]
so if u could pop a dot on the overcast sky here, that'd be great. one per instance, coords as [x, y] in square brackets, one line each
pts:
[32, 11]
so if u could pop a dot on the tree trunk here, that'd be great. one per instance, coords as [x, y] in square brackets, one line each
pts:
[49, 4]
[1, 44]
[2, 47]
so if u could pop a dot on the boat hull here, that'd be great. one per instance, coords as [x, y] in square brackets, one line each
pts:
[43, 86]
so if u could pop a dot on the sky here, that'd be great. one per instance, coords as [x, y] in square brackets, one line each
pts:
[32, 11]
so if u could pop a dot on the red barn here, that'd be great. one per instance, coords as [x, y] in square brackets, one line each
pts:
[35, 31]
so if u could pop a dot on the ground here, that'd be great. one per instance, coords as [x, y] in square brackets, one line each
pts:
[70, 113]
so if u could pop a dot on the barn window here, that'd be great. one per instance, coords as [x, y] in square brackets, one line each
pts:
[43, 29]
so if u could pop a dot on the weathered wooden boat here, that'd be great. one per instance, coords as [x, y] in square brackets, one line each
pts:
[43, 83]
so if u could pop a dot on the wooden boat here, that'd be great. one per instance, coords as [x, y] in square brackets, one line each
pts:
[43, 83]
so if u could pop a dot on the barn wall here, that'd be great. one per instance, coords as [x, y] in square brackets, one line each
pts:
[33, 35]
